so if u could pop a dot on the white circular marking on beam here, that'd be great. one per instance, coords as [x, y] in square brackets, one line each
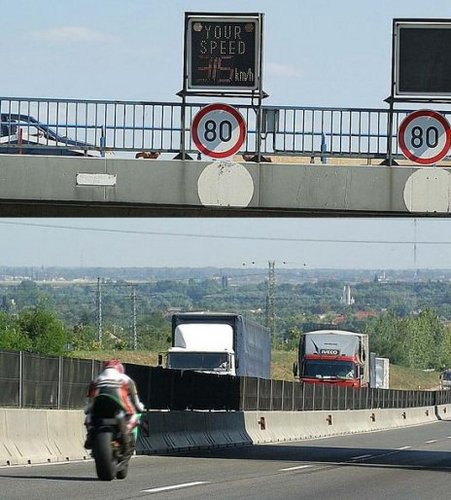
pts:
[428, 190]
[225, 184]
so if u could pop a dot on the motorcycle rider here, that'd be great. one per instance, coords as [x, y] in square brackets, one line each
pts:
[113, 383]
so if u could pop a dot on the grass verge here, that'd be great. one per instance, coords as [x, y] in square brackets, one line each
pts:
[282, 367]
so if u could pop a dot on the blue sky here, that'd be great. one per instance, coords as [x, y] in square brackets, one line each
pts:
[316, 53]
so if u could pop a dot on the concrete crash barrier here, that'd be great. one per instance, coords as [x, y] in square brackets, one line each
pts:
[443, 412]
[171, 431]
[178, 430]
[269, 427]
[227, 428]
[38, 436]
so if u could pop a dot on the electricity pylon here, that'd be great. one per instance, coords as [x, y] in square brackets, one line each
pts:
[270, 297]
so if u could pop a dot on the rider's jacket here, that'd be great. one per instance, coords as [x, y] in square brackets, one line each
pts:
[118, 386]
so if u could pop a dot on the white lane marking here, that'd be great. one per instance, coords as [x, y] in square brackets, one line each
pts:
[297, 467]
[431, 441]
[174, 487]
[404, 448]
[360, 456]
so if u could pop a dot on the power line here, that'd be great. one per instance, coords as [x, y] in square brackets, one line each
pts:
[225, 236]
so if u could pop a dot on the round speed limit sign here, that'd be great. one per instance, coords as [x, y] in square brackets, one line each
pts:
[424, 137]
[218, 130]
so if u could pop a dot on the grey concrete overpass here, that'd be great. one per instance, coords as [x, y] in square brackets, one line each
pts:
[81, 186]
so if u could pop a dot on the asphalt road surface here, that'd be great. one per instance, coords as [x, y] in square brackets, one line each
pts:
[410, 463]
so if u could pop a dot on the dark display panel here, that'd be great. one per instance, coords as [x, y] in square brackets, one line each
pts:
[223, 54]
[424, 61]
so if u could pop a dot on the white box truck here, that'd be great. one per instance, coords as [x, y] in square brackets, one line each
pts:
[220, 343]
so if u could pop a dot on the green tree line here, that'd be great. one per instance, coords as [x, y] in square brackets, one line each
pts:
[37, 330]
[52, 319]
[76, 303]
[420, 341]
[40, 330]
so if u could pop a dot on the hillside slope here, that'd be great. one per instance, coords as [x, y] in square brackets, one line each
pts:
[282, 367]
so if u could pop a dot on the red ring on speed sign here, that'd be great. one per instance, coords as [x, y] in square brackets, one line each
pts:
[221, 145]
[438, 150]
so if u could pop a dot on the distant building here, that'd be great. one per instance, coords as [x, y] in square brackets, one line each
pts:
[360, 315]
[380, 278]
[5, 304]
[346, 297]
[339, 319]
[172, 310]
[225, 282]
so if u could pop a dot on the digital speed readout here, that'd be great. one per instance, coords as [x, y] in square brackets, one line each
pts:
[223, 54]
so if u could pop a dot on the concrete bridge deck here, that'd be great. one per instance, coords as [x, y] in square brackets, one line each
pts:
[82, 186]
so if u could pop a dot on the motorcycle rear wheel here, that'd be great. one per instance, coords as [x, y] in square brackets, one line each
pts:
[122, 474]
[103, 456]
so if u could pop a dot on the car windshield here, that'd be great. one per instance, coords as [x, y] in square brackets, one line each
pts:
[447, 376]
[328, 369]
[198, 361]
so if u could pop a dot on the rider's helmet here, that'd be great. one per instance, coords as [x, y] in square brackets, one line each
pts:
[113, 363]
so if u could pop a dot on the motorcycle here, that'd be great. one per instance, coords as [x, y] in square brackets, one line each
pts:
[112, 442]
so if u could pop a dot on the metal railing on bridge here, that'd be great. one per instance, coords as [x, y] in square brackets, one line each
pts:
[98, 127]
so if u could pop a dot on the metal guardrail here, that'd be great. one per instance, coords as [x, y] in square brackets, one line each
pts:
[96, 127]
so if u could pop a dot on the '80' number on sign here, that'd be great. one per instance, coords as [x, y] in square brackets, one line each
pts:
[214, 130]
[421, 136]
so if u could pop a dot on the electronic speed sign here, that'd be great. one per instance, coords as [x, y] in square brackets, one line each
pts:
[223, 52]
[218, 130]
[421, 61]
[424, 137]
